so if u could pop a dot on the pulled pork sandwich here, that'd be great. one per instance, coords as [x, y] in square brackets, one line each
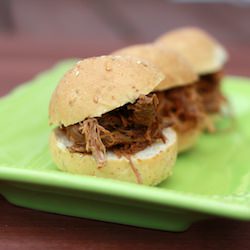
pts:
[179, 103]
[107, 124]
[207, 57]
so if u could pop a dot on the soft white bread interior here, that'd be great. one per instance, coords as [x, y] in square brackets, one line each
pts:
[149, 166]
[100, 84]
[177, 70]
[202, 51]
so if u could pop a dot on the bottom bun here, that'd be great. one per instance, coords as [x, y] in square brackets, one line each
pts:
[149, 166]
[188, 139]
[215, 119]
[210, 124]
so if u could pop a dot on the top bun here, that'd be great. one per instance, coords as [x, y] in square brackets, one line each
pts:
[203, 52]
[98, 85]
[177, 70]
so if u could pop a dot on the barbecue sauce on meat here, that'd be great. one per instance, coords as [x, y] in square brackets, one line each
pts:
[180, 107]
[125, 130]
[208, 87]
[133, 127]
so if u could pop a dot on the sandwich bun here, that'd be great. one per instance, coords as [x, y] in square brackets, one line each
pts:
[152, 165]
[100, 84]
[94, 87]
[186, 140]
[177, 70]
[201, 50]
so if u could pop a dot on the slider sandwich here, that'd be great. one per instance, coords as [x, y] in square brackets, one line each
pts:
[179, 104]
[207, 57]
[106, 123]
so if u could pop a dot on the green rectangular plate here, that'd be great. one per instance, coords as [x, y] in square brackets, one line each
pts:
[211, 180]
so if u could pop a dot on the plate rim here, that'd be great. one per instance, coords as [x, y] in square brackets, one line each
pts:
[168, 198]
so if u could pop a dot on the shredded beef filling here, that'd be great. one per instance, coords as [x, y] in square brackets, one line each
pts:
[180, 107]
[125, 131]
[132, 127]
[208, 88]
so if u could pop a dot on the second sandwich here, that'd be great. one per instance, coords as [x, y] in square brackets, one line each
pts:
[179, 103]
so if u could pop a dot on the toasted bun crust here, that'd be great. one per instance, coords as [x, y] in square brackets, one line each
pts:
[177, 70]
[154, 164]
[187, 140]
[100, 84]
[203, 52]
